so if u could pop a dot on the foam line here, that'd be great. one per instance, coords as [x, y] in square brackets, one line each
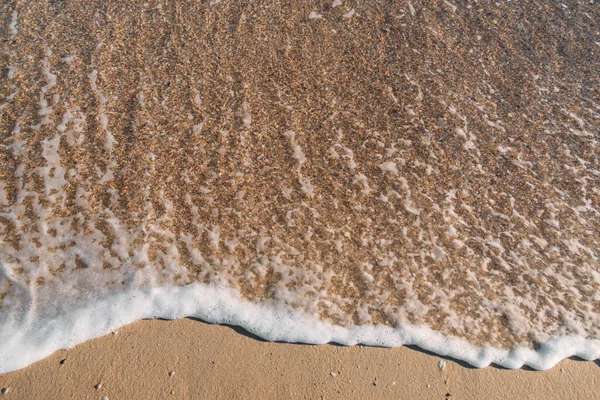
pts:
[30, 342]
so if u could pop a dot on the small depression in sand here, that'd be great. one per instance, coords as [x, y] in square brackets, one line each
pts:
[378, 164]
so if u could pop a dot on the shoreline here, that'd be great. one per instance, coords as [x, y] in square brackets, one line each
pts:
[217, 361]
[419, 172]
[80, 323]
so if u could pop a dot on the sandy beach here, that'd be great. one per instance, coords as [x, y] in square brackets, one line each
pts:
[189, 359]
[383, 172]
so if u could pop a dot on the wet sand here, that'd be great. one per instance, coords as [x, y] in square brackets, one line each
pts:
[377, 163]
[368, 163]
[216, 362]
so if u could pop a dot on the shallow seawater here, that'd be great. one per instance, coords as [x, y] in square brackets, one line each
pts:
[383, 173]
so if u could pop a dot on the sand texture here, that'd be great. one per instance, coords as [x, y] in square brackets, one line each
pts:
[424, 165]
[380, 162]
[216, 362]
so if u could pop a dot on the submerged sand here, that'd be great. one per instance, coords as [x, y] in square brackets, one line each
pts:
[380, 162]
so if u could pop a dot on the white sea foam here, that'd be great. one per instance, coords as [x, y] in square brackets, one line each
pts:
[41, 335]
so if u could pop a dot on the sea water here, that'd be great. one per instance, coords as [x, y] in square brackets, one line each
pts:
[340, 183]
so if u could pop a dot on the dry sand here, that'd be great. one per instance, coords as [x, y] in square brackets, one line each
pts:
[211, 361]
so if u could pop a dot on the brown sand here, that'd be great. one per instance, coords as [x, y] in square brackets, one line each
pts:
[179, 120]
[211, 361]
[174, 85]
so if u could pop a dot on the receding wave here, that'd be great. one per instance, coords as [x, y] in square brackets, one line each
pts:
[386, 173]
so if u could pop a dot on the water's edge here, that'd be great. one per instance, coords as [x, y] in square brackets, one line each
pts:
[22, 346]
